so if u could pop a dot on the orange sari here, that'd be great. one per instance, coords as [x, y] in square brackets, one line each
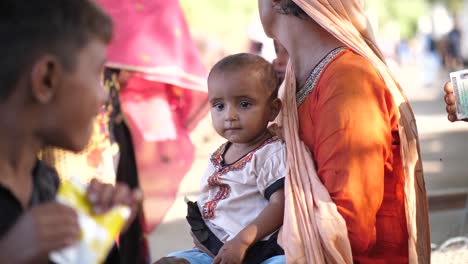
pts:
[350, 123]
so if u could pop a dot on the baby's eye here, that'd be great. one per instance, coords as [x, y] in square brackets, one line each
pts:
[219, 106]
[245, 104]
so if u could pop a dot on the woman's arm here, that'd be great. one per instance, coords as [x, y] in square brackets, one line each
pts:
[353, 147]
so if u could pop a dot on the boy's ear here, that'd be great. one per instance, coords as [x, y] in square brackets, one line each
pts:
[45, 78]
[275, 108]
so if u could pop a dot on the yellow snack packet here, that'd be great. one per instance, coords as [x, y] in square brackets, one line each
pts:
[97, 231]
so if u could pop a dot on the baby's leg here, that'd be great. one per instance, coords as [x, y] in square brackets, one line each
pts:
[171, 260]
[280, 259]
[193, 256]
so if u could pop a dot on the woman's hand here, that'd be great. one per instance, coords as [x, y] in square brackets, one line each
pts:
[450, 106]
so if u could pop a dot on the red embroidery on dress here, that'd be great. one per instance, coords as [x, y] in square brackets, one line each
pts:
[215, 179]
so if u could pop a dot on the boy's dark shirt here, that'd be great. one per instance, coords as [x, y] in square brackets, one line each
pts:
[45, 186]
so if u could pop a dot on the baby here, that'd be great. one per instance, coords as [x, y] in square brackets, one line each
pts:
[241, 204]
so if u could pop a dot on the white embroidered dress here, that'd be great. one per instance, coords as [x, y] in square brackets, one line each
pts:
[233, 195]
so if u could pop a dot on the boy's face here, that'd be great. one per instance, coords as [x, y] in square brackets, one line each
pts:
[241, 105]
[77, 99]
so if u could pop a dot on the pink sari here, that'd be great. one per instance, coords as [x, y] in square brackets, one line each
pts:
[314, 231]
[165, 97]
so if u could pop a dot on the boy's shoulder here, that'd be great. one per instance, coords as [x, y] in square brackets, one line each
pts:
[45, 186]
[46, 182]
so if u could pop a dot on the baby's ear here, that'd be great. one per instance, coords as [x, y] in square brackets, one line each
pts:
[45, 78]
[275, 105]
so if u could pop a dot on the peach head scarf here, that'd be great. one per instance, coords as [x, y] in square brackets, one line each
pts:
[310, 214]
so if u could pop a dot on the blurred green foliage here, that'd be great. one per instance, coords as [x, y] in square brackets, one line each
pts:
[228, 19]
[223, 19]
[218, 15]
[453, 5]
[404, 12]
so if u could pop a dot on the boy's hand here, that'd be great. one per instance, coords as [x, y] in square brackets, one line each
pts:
[39, 231]
[105, 196]
[233, 252]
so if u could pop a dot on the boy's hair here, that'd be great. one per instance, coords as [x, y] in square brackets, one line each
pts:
[251, 62]
[31, 28]
[289, 7]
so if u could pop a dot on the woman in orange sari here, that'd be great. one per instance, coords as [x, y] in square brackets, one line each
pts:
[360, 197]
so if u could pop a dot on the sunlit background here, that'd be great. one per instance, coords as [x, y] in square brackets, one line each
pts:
[413, 36]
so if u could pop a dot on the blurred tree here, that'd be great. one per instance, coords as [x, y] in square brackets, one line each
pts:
[454, 6]
[226, 20]
[405, 13]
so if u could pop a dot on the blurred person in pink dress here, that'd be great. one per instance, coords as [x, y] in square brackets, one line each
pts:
[158, 94]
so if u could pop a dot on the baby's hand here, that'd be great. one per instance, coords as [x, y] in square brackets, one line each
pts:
[232, 252]
[104, 196]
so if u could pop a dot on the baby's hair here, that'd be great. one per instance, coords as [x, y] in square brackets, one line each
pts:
[256, 65]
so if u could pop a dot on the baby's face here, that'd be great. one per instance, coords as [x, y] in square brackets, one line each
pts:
[240, 105]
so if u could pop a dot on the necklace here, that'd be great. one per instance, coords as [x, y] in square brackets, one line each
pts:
[311, 81]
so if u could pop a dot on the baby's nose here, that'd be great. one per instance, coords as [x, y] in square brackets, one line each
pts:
[231, 114]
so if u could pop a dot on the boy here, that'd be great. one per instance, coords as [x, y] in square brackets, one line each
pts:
[241, 204]
[50, 92]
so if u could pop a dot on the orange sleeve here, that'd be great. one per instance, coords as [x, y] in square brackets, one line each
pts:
[351, 146]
